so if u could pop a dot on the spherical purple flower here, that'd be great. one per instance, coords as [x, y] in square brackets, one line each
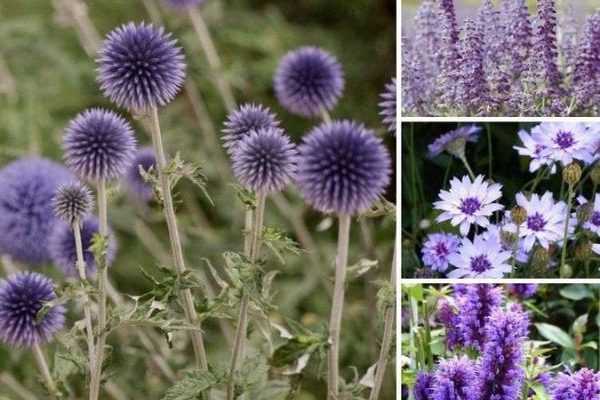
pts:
[437, 248]
[343, 167]
[63, 251]
[247, 118]
[183, 4]
[522, 290]
[22, 296]
[454, 141]
[265, 160]
[423, 386]
[308, 80]
[99, 144]
[72, 202]
[140, 66]
[27, 187]
[455, 379]
[134, 181]
[388, 106]
[581, 385]
[476, 306]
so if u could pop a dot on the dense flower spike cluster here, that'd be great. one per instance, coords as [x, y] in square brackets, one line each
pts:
[502, 60]
[72, 202]
[134, 181]
[582, 385]
[21, 297]
[26, 212]
[455, 379]
[498, 237]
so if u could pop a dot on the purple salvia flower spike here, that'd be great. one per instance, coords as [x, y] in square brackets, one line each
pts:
[473, 91]
[455, 379]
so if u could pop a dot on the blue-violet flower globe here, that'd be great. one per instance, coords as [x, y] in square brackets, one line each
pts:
[72, 202]
[245, 119]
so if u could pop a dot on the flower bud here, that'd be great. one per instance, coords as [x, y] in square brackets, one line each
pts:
[566, 271]
[541, 258]
[584, 212]
[583, 251]
[571, 174]
[518, 214]
[595, 174]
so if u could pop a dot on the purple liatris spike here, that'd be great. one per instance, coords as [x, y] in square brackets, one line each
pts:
[265, 160]
[140, 66]
[99, 144]
[473, 92]
[586, 77]
[501, 371]
[72, 202]
[455, 379]
[135, 183]
[63, 250]
[388, 106]
[308, 81]
[581, 385]
[27, 187]
[247, 118]
[479, 302]
[22, 296]
[546, 45]
[342, 167]
[423, 386]
[522, 290]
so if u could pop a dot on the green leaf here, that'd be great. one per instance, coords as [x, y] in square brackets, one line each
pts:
[556, 335]
[191, 386]
[540, 392]
[576, 292]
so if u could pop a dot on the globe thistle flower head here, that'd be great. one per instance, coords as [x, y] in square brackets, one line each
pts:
[469, 203]
[63, 250]
[455, 379]
[247, 118]
[454, 141]
[480, 258]
[134, 181]
[535, 148]
[522, 291]
[581, 385]
[72, 202]
[437, 248]
[183, 4]
[342, 167]
[308, 80]
[99, 144]
[140, 66]
[265, 160]
[22, 295]
[26, 213]
[388, 106]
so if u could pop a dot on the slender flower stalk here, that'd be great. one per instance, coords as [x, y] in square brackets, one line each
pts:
[42, 364]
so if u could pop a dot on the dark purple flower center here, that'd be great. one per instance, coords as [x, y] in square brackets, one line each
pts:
[470, 205]
[539, 148]
[564, 140]
[596, 218]
[480, 263]
[536, 222]
[441, 249]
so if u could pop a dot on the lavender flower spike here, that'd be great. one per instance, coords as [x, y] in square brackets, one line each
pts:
[140, 66]
[455, 379]
[547, 46]
[21, 297]
[473, 88]
[586, 77]
[582, 385]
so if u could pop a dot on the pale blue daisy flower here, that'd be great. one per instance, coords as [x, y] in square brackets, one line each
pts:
[480, 258]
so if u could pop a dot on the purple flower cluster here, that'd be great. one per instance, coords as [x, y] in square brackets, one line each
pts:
[582, 385]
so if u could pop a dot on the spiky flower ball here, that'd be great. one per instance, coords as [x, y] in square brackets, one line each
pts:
[183, 4]
[134, 181]
[99, 144]
[309, 80]
[388, 106]
[342, 167]
[22, 295]
[264, 160]
[140, 66]
[72, 202]
[247, 118]
[63, 251]
[27, 187]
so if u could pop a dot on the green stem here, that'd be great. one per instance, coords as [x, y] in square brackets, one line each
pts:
[563, 257]
[447, 173]
[40, 359]
[490, 153]
[468, 167]
[413, 180]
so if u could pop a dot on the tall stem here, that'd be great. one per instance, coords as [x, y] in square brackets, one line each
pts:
[335, 320]
[169, 211]
[212, 57]
[40, 359]
[252, 252]
[468, 167]
[563, 257]
[386, 342]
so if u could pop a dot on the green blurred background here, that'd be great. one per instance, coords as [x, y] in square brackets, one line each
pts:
[46, 78]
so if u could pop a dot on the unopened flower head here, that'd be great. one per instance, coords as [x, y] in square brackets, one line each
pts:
[265, 160]
[26, 213]
[134, 181]
[437, 248]
[480, 258]
[72, 202]
[469, 203]
[308, 81]
[343, 167]
[388, 106]
[454, 141]
[247, 118]
[99, 144]
[140, 66]
[22, 296]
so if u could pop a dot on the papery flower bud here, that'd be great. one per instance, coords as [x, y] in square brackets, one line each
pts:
[518, 215]
[571, 174]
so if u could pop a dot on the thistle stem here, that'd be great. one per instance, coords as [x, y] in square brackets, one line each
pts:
[237, 356]
[212, 56]
[386, 342]
[325, 115]
[40, 359]
[9, 381]
[335, 320]
[563, 257]
[176, 248]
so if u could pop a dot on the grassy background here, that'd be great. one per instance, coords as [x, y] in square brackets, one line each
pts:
[46, 78]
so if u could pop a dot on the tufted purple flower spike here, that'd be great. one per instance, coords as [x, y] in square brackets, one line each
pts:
[265, 160]
[134, 181]
[99, 144]
[26, 214]
[547, 46]
[140, 66]
[247, 118]
[343, 167]
[455, 379]
[423, 386]
[581, 385]
[22, 295]
[479, 302]
[308, 80]
[388, 106]
[473, 91]
[63, 251]
[586, 77]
